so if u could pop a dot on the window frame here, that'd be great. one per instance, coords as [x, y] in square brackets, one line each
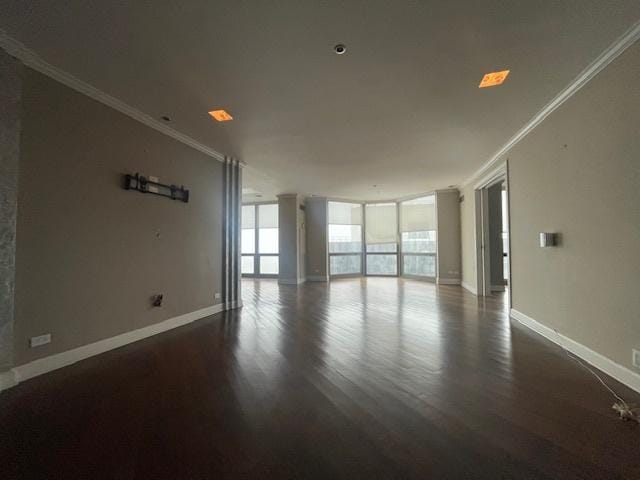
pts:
[364, 242]
[399, 253]
[256, 237]
[361, 253]
[413, 254]
[402, 253]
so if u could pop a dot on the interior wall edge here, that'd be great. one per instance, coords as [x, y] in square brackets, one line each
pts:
[469, 287]
[32, 60]
[612, 52]
[48, 364]
[605, 364]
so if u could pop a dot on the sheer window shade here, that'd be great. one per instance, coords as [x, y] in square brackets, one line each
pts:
[418, 215]
[248, 216]
[381, 223]
[268, 216]
[345, 213]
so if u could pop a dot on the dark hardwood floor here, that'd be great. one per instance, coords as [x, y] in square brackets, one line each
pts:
[361, 379]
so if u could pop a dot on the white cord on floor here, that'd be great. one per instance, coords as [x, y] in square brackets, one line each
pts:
[625, 411]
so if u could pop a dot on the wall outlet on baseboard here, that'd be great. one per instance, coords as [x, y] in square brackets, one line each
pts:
[40, 340]
[635, 355]
[216, 296]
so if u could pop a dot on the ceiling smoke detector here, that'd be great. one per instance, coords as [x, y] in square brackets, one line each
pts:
[340, 49]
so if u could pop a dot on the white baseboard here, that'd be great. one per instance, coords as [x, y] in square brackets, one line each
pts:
[622, 374]
[497, 288]
[53, 362]
[291, 281]
[448, 281]
[317, 278]
[469, 287]
[7, 379]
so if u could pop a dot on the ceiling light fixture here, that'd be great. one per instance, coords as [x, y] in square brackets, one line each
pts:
[494, 78]
[340, 49]
[220, 115]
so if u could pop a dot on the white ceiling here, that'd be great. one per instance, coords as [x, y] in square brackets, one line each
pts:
[400, 110]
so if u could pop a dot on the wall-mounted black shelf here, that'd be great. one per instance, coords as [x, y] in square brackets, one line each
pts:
[144, 185]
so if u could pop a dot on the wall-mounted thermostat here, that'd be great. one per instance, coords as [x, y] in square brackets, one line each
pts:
[548, 239]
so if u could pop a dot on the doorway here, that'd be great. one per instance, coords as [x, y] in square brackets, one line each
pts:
[492, 234]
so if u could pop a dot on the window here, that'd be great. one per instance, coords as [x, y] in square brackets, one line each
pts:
[259, 240]
[418, 237]
[345, 238]
[248, 239]
[381, 238]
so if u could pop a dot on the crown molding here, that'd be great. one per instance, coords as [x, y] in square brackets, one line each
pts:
[32, 60]
[605, 58]
[288, 195]
[316, 199]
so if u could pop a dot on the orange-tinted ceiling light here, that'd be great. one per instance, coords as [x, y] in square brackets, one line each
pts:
[494, 78]
[220, 115]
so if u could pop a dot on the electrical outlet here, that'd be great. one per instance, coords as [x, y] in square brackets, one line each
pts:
[40, 340]
[217, 296]
[636, 357]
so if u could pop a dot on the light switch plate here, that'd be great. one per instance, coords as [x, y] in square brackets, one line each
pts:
[635, 357]
[40, 340]
[216, 296]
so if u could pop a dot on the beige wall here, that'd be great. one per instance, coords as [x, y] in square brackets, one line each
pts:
[448, 212]
[578, 174]
[90, 254]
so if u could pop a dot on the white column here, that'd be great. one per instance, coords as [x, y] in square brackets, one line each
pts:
[291, 238]
[317, 268]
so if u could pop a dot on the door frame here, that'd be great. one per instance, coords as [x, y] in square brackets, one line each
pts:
[482, 242]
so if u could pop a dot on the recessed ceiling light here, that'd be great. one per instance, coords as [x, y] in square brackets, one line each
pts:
[494, 78]
[220, 115]
[340, 49]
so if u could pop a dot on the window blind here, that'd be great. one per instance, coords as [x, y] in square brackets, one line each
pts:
[268, 216]
[381, 223]
[345, 213]
[248, 216]
[418, 215]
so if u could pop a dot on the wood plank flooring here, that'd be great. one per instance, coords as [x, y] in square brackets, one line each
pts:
[377, 378]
